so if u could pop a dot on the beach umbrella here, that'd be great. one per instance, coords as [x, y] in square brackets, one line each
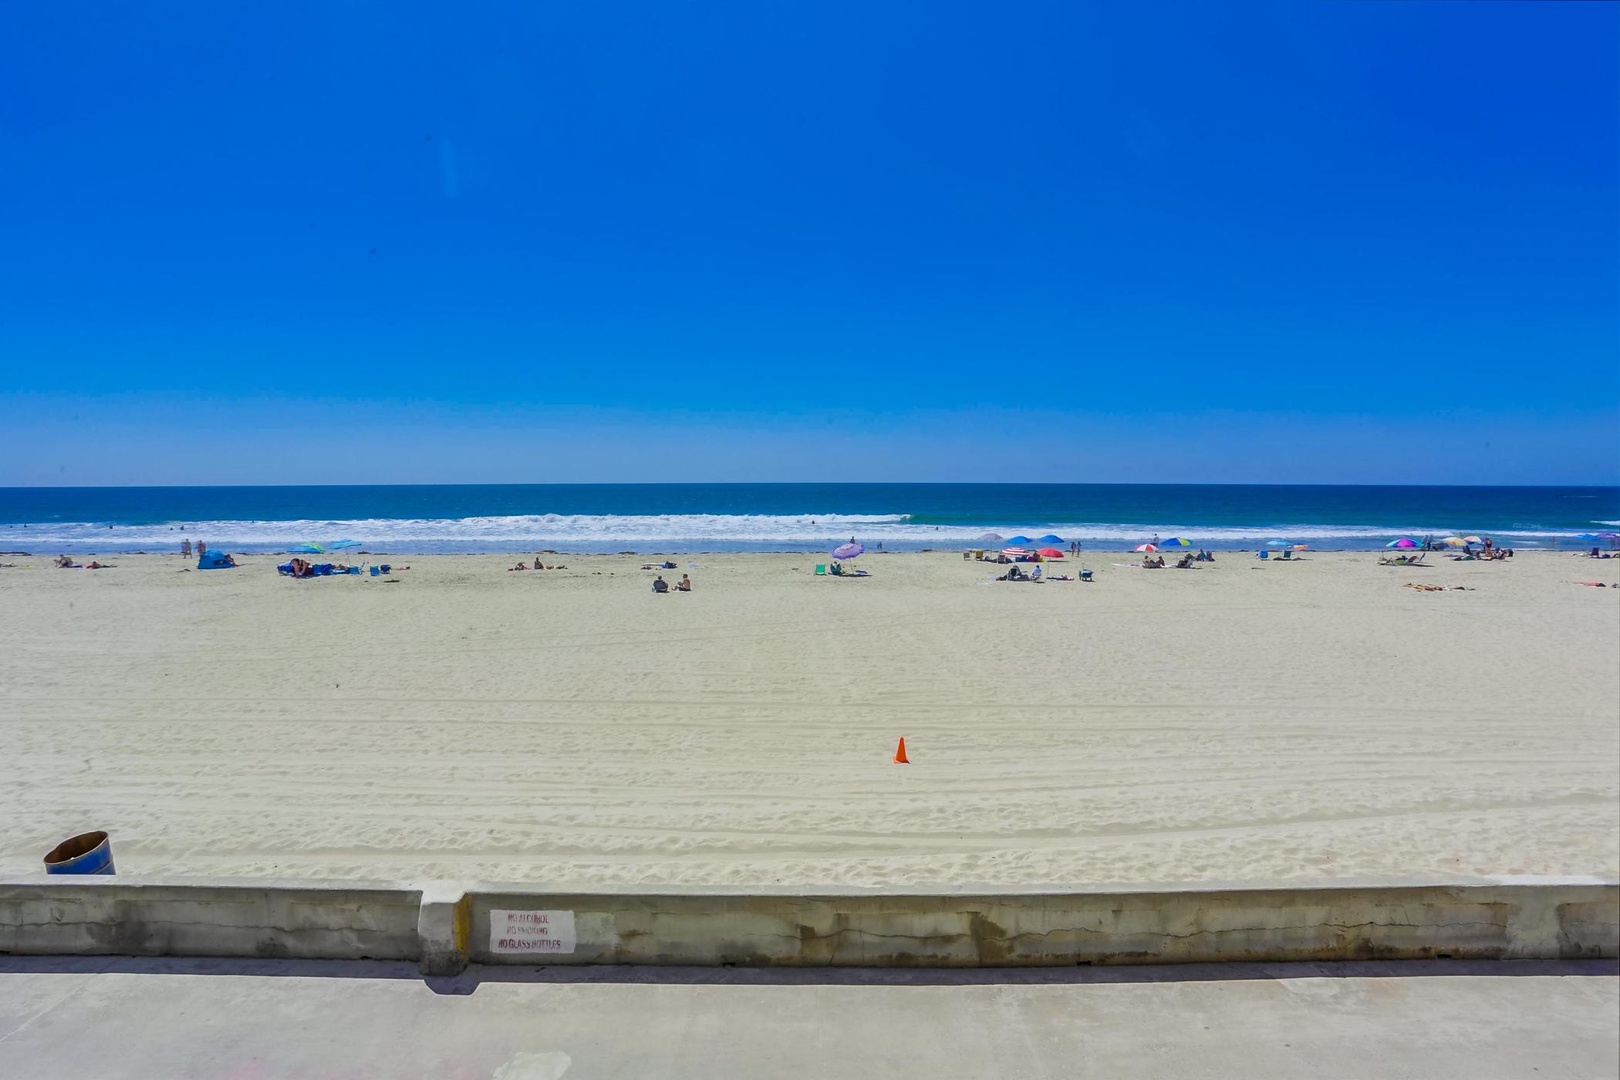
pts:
[1451, 541]
[1278, 544]
[1050, 553]
[1049, 538]
[847, 551]
[339, 545]
[1015, 552]
[1175, 541]
[1018, 540]
[1145, 547]
[307, 549]
[1472, 540]
[988, 538]
[1404, 543]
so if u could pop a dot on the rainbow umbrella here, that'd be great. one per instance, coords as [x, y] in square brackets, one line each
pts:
[307, 549]
[1405, 543]
[1175, 541]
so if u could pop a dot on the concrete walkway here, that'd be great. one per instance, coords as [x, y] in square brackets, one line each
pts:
[256, 1020]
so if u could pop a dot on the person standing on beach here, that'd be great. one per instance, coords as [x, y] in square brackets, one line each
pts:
[202, 549]
[185, 549]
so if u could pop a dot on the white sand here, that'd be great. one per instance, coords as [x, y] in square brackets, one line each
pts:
[1245, 722]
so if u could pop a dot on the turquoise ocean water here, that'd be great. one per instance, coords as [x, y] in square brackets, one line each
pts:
[786, 517]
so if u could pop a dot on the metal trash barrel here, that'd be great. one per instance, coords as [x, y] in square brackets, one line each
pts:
[87, 853]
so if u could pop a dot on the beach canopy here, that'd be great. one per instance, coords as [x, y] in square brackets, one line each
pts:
[988, 538]
[847, 551]
[1405, 543]
[1018, 540]
[307, 549]
[1145, 547]
[1050, 553]
[1049, 538]
[214, 560]
[1175, 541]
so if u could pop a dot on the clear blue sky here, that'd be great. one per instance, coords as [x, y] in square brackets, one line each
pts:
[1295, 242]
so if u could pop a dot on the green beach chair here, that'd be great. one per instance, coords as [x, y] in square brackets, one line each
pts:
[821, 569]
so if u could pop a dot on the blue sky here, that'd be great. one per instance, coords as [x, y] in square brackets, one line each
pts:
[401, 242]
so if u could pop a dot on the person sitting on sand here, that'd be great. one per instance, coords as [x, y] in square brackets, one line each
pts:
[684, 585]
[65, 562]
[1014, 574]
[660, 585]
[519, 566]
[300, 568]
[1185, 562]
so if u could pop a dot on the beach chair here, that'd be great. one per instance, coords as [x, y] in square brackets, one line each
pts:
[821, 569]
[1085, 575]
[1262, 554]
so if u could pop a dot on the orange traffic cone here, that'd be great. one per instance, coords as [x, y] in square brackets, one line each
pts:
[900, 753]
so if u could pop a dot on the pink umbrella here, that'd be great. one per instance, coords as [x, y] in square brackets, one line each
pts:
[1050, 553]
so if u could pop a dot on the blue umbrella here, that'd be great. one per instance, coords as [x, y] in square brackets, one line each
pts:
[339, 545]
[1049, 538]
[307, 549]
[1020, 539]
[847, 551]
[1278, 543]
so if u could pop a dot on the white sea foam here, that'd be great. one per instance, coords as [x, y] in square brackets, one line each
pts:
[614, 532]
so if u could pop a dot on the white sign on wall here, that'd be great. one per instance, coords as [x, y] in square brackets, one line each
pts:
[527, 932]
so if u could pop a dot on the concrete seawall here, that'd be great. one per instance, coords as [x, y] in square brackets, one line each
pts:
[443, 926]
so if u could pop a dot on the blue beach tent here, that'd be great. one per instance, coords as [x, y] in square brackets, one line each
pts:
[214, 560]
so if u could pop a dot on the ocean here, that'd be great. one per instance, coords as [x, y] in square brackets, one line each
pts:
[649, 518]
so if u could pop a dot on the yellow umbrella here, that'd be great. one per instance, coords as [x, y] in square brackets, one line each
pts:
[1452, 541]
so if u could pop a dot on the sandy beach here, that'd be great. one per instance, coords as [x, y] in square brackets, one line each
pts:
[1245, 722]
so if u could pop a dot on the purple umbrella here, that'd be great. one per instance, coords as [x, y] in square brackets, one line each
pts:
[1405, 542]
[847, 551]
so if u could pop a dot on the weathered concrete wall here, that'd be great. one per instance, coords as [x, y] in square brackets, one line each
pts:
[444, 925]
[93, 916]
[1518, 921]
